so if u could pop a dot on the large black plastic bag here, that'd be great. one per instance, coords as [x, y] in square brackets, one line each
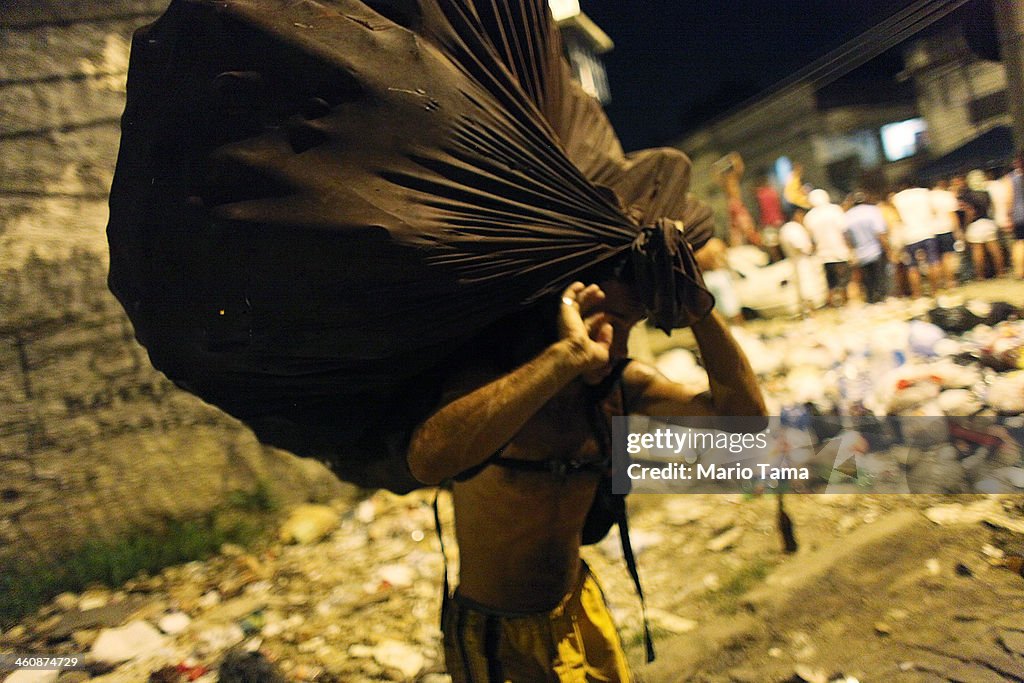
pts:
[317, 206]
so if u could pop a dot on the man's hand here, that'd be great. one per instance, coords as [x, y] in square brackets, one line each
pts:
[486, 413]
[585, 328]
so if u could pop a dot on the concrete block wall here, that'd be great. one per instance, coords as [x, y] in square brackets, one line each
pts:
[93, 441]
[947, 78]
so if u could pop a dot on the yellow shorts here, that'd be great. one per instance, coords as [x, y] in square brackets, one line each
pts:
[575, 642]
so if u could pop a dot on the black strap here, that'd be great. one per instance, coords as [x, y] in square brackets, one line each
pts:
[492, 642]
[444, 557]
[469, 473]
[627, 553]
[556, 466]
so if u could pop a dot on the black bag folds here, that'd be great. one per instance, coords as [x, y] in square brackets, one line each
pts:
[317, 206]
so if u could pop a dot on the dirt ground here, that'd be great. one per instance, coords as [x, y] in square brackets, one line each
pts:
[875, 592]
[883, 588]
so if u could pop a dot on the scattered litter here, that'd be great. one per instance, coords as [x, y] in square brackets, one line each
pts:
[961, 364]
[33, 676]
[397, 575]
[128, 642]
[711, 582]
[1015, 563]
[671, 622]
[393, 654]
[725, 540]
[219, 638]
[642, 539]
[805, 674]
[1012, 475]
[210, 599]
[173, 623]
[992, 552]
[308, 524]
[958, 513]
[95, 600]
[242, 667]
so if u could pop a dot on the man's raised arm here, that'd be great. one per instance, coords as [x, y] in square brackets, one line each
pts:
[484, 414]
[734, 389]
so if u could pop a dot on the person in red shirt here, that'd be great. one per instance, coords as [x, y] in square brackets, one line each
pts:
[729, 172]
[770, 206]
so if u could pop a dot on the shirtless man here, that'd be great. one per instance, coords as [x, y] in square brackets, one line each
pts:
[527, 607]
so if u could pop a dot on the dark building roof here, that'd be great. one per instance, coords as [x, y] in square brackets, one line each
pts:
[993, 148]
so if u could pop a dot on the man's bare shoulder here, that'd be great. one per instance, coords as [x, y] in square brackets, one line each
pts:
[639, 380]
[638, 374]
[648, 392]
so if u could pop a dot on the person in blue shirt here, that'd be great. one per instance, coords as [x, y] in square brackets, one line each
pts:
[1017, 213]
[866, 231]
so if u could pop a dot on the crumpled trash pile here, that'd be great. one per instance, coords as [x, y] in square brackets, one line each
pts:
[963, 361]
[886, 359]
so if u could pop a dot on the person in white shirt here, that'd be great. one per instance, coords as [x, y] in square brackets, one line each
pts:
[947, 231]
[983, 235]
[796, 247]
[999, 186]
[921, 251]
[1000, 189]
[826, 222]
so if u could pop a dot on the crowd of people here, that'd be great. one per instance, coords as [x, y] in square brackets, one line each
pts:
[914, 239]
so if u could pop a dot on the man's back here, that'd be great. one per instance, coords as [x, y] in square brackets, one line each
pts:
[827, 223]
[865, 223]
[944, 204]
[915, 208]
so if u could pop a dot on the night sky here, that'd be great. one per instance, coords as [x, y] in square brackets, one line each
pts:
[677, 63]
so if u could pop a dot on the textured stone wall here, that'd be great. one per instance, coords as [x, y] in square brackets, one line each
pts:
[93, 441]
